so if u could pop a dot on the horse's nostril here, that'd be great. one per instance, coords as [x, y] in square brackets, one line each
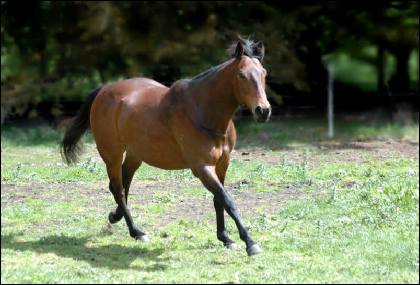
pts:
[259, 111]
[262, 114]
[266, 112]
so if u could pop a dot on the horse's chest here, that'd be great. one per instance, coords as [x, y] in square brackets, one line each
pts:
[197, 148]
[196, 145]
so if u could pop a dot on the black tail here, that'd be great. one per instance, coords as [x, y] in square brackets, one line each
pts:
[70, 148]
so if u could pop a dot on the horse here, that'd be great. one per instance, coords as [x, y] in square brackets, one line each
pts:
[188, 125]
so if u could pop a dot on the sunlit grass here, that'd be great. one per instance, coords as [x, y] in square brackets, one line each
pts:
[355, 221]
[368, 233]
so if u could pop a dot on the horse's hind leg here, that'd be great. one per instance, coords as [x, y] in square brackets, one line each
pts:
[114, 169]
[129, 167]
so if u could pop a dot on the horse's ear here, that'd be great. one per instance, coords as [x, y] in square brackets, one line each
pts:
[260, 51]
[239, 50]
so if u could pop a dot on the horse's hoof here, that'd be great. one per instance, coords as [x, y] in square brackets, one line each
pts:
[143, 238]
[232, 245]
[254, 249]
[112, 219]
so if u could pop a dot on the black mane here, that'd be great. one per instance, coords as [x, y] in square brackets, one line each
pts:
[250, 48]
[208, 72]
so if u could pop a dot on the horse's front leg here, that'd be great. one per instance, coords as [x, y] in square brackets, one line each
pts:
[207, 175]
[222, 234]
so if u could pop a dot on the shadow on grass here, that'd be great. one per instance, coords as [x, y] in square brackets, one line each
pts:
[111, 256]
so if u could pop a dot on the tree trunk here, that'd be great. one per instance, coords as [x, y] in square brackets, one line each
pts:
[400, 81]
[381, 69]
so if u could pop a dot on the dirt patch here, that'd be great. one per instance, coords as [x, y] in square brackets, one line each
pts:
[332, 152]
[250, 204]
[182, 204]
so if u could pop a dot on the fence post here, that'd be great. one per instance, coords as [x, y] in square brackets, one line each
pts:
[330, 107]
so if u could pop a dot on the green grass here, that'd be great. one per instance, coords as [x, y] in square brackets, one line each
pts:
[281, 133]
[355, 221]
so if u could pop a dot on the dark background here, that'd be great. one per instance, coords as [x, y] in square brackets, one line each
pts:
[54, 53]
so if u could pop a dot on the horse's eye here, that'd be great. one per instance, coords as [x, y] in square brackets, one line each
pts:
[241, 75]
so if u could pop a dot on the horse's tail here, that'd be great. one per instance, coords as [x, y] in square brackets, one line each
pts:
[70, 147]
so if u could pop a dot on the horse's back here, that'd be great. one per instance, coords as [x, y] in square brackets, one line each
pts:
[133, 87]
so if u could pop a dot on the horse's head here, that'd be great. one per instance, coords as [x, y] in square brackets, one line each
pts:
[249, 80]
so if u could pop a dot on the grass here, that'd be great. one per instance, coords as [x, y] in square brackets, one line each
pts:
[355, 219]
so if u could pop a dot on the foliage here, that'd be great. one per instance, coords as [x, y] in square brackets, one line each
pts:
[58, 51]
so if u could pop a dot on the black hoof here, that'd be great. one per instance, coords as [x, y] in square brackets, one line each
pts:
[253, 250]
[112, 219]
[139, 235]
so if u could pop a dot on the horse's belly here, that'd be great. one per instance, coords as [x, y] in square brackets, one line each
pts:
[170, 161]
[161, 154]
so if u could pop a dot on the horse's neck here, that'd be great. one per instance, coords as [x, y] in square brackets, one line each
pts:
[215, 102]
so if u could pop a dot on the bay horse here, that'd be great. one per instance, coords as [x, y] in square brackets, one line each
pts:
[188, 125]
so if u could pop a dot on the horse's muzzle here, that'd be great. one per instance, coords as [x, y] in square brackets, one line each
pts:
[262, 114]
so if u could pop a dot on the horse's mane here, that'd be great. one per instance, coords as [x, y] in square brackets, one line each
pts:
[251, 49]
[208, 72]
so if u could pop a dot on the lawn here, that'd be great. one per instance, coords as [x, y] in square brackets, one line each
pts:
[328, 211]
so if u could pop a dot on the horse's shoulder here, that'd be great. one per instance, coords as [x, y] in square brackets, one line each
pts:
[176, 93]
[179, 85]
